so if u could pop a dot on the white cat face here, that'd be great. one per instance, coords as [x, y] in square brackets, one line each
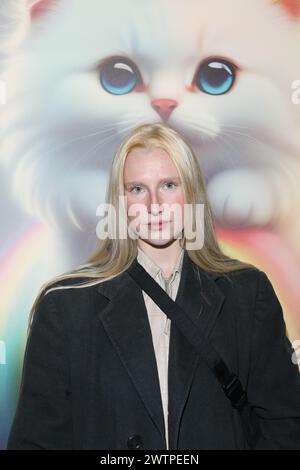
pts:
[220, 72]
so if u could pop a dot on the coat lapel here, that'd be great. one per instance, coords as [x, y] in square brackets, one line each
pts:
[201, 299]
[125, 320]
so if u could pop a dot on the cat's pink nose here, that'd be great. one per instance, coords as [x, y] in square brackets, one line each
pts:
[164, 107]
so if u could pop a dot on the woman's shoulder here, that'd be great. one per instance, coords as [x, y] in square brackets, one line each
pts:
[245, 279]
[252, 283]
[71, 290]
[240, 274]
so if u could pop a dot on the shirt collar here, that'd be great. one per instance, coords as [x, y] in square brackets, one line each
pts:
[153, 269]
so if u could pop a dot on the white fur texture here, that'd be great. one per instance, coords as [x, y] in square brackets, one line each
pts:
[60, 128]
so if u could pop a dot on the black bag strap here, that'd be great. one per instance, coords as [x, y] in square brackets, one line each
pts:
[229, 381]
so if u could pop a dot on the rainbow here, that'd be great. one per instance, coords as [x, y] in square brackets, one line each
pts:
[21, 265]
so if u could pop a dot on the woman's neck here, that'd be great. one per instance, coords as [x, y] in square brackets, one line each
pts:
[165, 257]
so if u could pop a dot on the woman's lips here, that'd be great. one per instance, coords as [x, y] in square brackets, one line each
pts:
[157, 225]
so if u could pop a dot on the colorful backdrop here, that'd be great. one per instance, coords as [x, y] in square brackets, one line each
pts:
[77, 75]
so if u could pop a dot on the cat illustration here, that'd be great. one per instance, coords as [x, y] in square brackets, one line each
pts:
[80, 74]
[89, 71]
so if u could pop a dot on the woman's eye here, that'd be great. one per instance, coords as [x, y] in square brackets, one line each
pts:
[119, 75]
[133, 188]
[215, 76]
[139, 189]
[171, 183]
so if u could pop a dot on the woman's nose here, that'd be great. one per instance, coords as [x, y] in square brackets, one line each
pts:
[154, 203]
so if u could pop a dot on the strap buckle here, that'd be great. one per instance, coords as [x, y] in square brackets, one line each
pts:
[234, 391]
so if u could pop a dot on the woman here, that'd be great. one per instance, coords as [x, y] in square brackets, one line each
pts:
[106, 368]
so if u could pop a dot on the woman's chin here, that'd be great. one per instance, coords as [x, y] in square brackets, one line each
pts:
[158, 236]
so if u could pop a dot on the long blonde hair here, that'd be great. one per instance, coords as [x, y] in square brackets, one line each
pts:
[113, 256]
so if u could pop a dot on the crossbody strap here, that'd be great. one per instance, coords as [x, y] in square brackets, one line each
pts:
[229, 381]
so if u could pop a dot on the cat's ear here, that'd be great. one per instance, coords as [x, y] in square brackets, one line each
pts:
[14, 22]
[292, 7]
[38, 7]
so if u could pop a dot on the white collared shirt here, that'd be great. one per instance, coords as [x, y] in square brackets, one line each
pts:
[159, 322]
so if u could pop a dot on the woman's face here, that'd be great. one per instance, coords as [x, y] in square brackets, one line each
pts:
[154, 193]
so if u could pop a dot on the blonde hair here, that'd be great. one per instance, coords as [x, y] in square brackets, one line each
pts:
[113, 256]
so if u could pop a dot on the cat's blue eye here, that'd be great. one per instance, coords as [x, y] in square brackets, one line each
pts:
[215, 76]
[119, 76]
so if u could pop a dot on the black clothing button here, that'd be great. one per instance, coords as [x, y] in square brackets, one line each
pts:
[134, 442]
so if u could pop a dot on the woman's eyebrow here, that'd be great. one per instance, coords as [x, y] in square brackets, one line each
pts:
[160, 181]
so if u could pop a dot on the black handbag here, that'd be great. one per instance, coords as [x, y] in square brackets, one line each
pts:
[229, 381]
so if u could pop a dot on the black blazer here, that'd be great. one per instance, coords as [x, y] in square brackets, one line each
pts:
[90, 379]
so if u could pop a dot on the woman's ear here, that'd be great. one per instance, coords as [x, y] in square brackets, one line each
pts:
[292, 7]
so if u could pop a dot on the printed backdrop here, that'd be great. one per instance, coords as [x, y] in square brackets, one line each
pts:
[77, 75]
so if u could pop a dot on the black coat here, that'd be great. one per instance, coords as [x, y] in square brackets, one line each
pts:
[90, 379]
